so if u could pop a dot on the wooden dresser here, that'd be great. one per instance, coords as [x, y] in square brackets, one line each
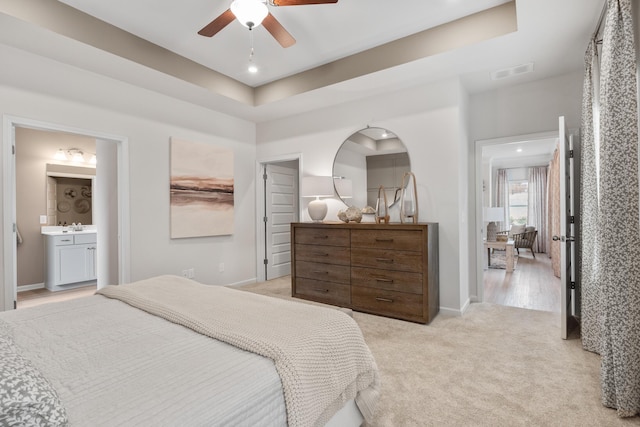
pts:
[385, 269]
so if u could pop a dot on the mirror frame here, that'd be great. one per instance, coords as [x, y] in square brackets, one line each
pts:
[372, 141]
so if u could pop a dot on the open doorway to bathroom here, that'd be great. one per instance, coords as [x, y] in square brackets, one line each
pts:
[515, 176]
[103, 192]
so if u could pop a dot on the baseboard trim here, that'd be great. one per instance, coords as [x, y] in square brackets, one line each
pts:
[450, 311]
[244, 282]
[23, 288]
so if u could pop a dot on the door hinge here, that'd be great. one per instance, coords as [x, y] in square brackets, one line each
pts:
[266, 261]
[265, 219]
[13, 149]
[15, 228]
[264, 177]
[571, 154]
[572, 219]
[15, 304]
[573, 285]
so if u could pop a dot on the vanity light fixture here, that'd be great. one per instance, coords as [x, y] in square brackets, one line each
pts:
[317, 186]
[74, 155]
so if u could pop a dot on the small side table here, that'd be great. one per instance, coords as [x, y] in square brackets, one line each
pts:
[506, 246]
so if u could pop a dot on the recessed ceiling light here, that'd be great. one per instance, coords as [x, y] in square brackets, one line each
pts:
[252, 68]
[519, 150]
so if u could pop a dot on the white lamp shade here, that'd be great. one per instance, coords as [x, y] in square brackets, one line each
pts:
[317, 186]
[249, 13]
[493, 214]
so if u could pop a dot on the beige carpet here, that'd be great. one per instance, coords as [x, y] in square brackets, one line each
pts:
[496, 366]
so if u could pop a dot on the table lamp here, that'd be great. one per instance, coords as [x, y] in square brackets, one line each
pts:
[317, 186]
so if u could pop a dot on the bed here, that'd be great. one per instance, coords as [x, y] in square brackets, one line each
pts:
[169, 351]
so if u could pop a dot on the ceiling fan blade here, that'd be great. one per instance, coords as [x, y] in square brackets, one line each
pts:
[217, 24]
[277, 31]
[300, 2]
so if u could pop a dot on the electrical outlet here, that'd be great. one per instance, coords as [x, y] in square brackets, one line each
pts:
[189, 273]
[221, 267]
[185, 273]
[43, 220]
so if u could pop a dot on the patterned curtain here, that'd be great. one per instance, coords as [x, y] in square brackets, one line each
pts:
[591, 320]
[554, 212]
[502, 198]
[617, 233]
[537, 205]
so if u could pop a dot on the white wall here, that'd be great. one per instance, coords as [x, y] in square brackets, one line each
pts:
[148, 120]
[429, 122]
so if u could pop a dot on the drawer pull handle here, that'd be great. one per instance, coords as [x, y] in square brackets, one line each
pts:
[378, 239]
[324, 291]
[380, 279]
[65, 240]
[323, 237]
[320, 272]
[323, 254]
[384, 299]
[384, 259]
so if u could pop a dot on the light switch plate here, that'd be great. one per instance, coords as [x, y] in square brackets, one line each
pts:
[43, 220]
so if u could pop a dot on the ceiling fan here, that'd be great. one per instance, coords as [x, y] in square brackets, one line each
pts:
[252, 13]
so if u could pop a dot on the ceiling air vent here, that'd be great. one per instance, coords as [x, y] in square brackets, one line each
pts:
[513, 71]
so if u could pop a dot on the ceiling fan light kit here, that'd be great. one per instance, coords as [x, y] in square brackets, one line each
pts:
[252, 13]
[249, 13]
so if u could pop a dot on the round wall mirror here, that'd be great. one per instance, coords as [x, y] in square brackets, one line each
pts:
[369, 158]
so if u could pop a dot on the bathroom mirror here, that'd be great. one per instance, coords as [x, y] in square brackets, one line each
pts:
[369, 158]
[69, 194]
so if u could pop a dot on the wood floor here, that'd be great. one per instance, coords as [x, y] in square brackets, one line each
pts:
[45, 296]
[532, 284]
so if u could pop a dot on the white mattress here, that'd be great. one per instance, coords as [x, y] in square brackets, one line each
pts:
[113, 364]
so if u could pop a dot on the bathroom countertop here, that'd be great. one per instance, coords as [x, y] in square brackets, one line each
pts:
[60, 231]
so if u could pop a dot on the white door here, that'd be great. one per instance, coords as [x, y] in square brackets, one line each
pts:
[568, 229]
[281, 209]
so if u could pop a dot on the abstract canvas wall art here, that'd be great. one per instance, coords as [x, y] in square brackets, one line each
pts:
[202, 190]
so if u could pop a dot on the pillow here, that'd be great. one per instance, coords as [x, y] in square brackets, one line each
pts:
[516, 229]
[529, 228]
[26, 397]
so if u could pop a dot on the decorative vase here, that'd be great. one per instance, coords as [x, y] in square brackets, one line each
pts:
[409, 199]
[382, 210]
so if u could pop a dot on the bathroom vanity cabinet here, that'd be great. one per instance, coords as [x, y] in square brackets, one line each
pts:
[70, 260]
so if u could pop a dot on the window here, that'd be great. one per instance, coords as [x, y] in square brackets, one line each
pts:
[518, 201]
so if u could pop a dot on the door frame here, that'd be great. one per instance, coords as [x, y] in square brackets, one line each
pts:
[9, 262]
[479, 145]
[260, 213]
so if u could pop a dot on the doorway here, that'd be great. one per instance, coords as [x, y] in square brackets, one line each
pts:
[532, 284]
[111, 208]
[277, 200]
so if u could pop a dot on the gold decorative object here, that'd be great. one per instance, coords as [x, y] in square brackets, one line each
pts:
[382, 216]
[409, 199]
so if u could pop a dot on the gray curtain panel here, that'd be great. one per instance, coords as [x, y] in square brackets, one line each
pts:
[502, 198]
[537, 205]
[611, 297]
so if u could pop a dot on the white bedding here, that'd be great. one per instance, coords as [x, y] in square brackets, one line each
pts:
[113, 364]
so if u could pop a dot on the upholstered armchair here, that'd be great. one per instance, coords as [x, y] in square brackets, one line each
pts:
[523, 237]
[525, 240]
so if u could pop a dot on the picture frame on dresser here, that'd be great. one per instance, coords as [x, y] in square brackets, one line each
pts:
[384, 269]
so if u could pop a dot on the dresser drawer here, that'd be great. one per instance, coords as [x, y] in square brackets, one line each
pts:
[387, 279]
[324, 272]
[322, 236]
[323, 254]
[321, 291]
[401, 240]
[387, 303]
[387, 259]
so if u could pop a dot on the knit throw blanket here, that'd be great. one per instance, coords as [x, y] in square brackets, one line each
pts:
[319, 352]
